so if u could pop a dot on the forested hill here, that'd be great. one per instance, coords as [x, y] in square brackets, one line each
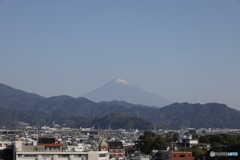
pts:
[178, 114]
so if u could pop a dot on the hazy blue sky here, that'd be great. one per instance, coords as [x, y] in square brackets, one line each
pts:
[184, 50]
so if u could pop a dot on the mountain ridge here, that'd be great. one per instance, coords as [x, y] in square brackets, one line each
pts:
[121, 90]
[7, 91]
[209, 115]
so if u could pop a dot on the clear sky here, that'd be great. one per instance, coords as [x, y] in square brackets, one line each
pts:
[184, 50]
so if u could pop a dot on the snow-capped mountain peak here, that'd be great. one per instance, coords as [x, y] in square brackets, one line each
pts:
[121, 90]
[122, 81]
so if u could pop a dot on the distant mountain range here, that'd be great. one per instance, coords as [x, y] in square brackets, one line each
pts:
[7, 91]
[17, 105]
[121, 90]
[16, 118]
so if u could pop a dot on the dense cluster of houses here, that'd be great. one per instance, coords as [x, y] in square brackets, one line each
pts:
[88, 144]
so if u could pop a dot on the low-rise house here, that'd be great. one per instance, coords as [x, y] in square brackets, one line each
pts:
[188, 142]
[103, 146]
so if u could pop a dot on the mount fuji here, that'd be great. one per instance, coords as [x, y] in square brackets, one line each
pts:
[121, 90]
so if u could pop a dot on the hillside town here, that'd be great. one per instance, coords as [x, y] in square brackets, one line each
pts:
[64, 143]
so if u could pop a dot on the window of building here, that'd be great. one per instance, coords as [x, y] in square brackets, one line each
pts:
[77, 155]
[63, 155]
[30, 156]
[102, 155]
[182, 155]
[49, 155]
[84, 157]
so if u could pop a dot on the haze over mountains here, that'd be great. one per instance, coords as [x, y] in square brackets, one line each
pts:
[121, 90]
[7, 91]
[17, 105]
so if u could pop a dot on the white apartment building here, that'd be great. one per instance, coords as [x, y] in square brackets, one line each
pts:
[36, 152]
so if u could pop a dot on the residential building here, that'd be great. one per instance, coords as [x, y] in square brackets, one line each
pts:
[116, 150]
[53, 151]
[187, 142]
[170, 155]
[103, 145]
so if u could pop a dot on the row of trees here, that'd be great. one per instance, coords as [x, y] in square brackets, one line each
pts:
[219, 143]
[222, 143]
[150, 141]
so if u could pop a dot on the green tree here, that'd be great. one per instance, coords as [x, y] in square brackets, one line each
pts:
[198, 153]
[171, 137]
[149, 141]
[175, 137]
[222, 143]
[195, 136]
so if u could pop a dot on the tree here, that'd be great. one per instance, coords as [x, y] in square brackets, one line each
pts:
[170, 137]
[222, 143]
[175, 137]
[195, 136]
[197, 153]
[149, 141]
